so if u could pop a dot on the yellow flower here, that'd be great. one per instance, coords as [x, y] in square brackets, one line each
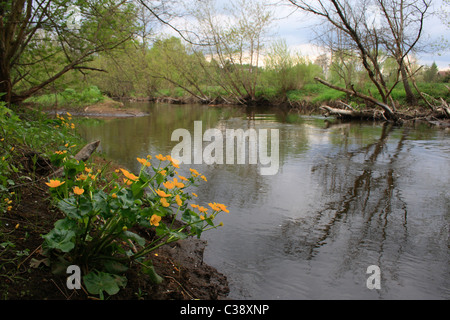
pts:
[154, 220]
[114, 196]
[182, 178]
[82, 177]
[223, 207]
[214, 206]
[17, 226]
[128, 182]
[9, 208]
[204, 178]
[144, 162]
[202, 217]
[87, 170]
[124, 228]
[202, 209]
[66, 145]
[54, 183]
[149, 156]
[160, 157]
[175, 162]
[72, 125]
[178, 184]
[178, 200]
[194, 205]
[68, 114]
[78, 191]
[129, 175]
[168, 184]
[163, 172]
[162, 194]
[194, 194]
[164, 202]
[194, 172]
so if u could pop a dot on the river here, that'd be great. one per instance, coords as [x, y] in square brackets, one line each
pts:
[346, 196]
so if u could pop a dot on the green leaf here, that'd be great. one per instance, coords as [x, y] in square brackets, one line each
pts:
[86, 206]
[60, 239]
[159, 178]
[69, 207]
[149, 270]
[101, 202]
[137, 189]
[65, 224]
[96, 282]
[115, 267]
[135, 237]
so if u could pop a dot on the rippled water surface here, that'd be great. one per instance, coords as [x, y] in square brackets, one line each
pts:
[346, 196]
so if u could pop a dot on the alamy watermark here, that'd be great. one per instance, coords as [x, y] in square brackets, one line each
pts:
[374, 280]
[235, 142]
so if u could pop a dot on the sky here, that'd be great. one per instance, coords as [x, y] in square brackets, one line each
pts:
[297, 29]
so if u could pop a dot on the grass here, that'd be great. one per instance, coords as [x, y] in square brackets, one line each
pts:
[69, 98]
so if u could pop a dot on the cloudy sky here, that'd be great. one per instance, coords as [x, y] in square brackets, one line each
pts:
[297, 29]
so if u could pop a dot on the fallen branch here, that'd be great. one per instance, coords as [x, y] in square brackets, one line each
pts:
[83, 155]
[390, 114]
[353, 113]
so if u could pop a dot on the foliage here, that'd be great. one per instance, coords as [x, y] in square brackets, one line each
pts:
[70, 97]
[285, 71]
[101, 215]
[32, 131]
[42, 41]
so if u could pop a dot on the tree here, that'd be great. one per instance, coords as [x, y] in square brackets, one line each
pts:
[430, 73]
[234, 45]
[286, 70]
[42, 40]
[394, 29]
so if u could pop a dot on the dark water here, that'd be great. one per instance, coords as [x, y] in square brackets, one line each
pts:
[346, 196]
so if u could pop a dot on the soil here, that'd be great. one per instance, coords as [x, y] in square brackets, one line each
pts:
[23, 277]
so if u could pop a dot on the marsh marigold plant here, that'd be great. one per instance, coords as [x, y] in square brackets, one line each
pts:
[98, 233]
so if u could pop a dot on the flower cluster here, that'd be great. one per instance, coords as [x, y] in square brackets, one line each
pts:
[101, 214]
[65, 122]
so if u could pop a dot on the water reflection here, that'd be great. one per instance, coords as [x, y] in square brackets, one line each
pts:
[346, 196]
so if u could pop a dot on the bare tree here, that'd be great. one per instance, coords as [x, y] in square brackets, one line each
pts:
[395, 29]
[235, 43]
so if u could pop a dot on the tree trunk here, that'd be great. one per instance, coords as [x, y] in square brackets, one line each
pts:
[5, 83]
[410, 97]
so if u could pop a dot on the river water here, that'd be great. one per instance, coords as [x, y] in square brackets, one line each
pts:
[346, 196]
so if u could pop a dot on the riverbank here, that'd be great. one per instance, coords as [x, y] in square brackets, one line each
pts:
[30, 214]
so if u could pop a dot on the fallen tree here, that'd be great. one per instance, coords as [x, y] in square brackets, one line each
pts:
[386, 113]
